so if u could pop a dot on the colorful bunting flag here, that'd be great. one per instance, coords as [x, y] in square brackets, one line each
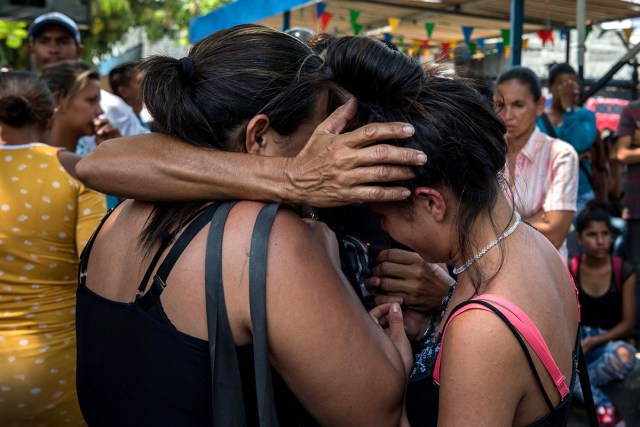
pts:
[393, 23]
[545, 36]
[416, 45]
[445, 47]
[325, 17]
[466, 32]
[481, 43]
[400, 44]
[587, 31]
[425, 44]
[453, 43]
[388, 37]
[525, 43]
[429, 27]
[354, 14]
[320, 7]
[506, 37]
[507, 51]
[627, 33]
[500, 47]
[472, 48]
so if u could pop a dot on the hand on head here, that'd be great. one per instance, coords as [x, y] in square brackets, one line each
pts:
[338, 168]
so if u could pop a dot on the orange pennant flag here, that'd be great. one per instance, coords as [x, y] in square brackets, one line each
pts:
[525, 43]
[627, 33]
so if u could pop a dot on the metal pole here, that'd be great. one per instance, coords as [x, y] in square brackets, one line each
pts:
[517, 19]
[568, 51]
[580, 24]
[286, 20]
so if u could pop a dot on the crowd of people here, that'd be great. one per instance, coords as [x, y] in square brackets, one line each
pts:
[394, 252]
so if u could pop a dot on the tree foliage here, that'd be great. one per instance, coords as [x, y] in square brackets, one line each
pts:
[111, 19]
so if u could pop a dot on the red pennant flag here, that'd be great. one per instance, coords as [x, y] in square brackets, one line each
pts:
[324, 20]
[545, 36]
[446, 47]
[425, 44]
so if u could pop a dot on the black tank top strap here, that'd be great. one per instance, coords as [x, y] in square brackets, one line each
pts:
[258, 303]
[515, 333]
[145, 300]
[84, 256]
[228, 407]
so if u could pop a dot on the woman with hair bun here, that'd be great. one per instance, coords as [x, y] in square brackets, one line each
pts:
[504, 350]
[231, 313]
[46, 218]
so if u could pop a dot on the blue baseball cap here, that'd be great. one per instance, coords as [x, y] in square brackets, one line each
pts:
[54, 18]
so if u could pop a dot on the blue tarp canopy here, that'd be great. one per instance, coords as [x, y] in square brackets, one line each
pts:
[238, 12]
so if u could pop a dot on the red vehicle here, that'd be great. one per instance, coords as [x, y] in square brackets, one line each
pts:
[607, 111]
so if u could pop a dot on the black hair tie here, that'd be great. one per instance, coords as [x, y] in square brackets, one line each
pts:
[187, 69]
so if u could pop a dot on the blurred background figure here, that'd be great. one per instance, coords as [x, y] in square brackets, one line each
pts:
[542, 171]
[607, 294]
[566, 120]
[75, 87]
[628, 154]
[76, 93]
[54, 37]
[46, 218]
[125, 82]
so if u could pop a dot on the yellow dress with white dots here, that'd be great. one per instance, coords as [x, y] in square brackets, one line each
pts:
[46, 218]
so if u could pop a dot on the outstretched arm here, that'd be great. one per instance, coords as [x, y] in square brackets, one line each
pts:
[333, 169]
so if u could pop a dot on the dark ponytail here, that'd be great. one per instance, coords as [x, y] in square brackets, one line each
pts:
[208, 97]
[456, 125]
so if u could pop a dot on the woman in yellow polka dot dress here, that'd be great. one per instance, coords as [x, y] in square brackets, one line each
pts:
[46, 217]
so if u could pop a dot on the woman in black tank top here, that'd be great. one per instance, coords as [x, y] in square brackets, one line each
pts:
[230, 314]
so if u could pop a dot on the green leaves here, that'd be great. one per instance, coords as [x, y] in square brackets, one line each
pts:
[15, 33]
[113, 18]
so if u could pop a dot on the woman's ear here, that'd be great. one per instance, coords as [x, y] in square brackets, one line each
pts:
[257, 130]
[432, 201]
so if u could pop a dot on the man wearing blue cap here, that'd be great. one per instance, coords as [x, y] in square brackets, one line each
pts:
[54, 37]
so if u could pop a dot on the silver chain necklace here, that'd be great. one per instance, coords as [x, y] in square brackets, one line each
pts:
[479, 255]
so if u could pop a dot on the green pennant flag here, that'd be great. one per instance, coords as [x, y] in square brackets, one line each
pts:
[400, 44]
[356, 28]
[429, 26]
[587, 31]
[472, 48]
[506, 37]
[354, 16]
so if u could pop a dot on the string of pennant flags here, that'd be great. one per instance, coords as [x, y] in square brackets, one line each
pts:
[477, 46]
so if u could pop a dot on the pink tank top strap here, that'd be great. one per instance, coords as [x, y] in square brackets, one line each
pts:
[525, 326]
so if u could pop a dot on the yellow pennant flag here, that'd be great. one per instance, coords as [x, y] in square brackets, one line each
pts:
[393, 23]
[416, 45]
[525, 43]
[627, 33]
[453, 43]
[507, 51]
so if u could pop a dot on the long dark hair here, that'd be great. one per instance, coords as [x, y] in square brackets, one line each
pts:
[455, 122]
[209, 97]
